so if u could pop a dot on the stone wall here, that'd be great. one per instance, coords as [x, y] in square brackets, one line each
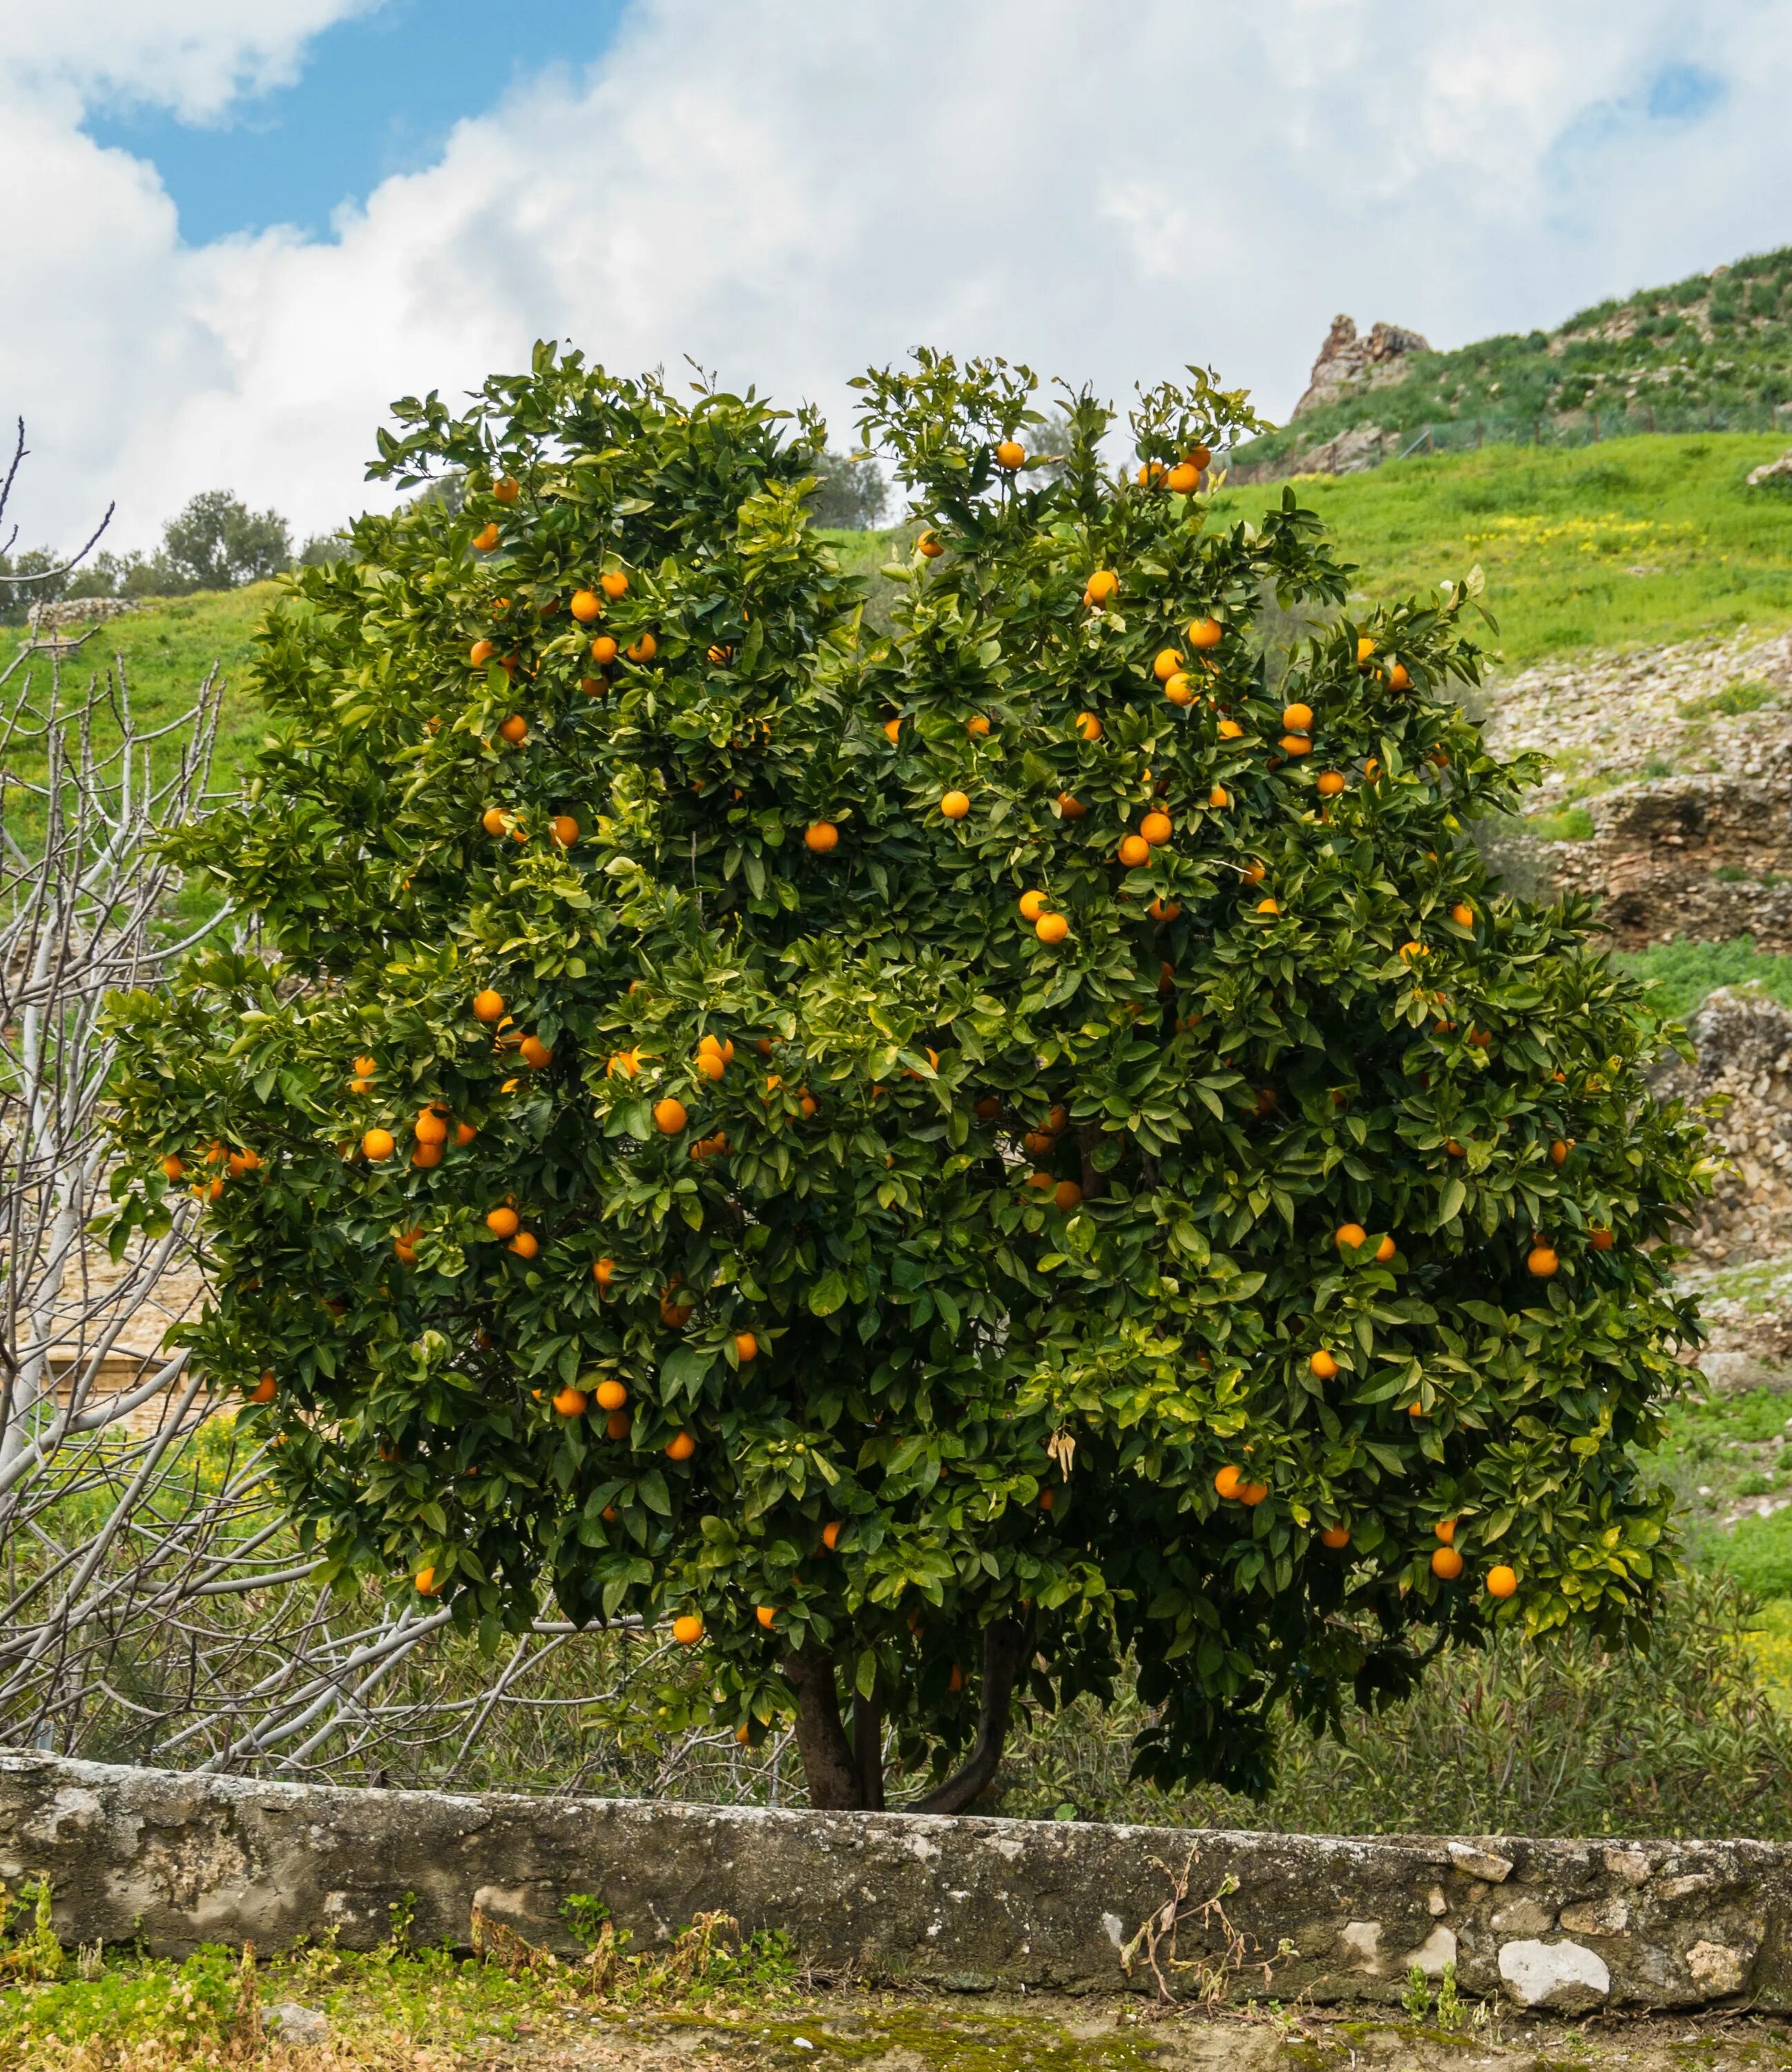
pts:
[179, 1859]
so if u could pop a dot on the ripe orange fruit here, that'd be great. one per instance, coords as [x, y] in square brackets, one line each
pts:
[1102, 585]
[569, 1401]
[955, 805]
[430, 1128]
[1253, 873]
[614, 584]
[642, 650]
[487, 537]
[1451, 1149]
[1558, 1153]
[266, 1389]
[503, 1222]
[604, 651]
[681, 1446]
[525, 1244]
[1163, 910]
[426, 1583]
[988, 1107]
[1542, 1262]
[506, 489]
[669, 1116]
[1365, 647]
[1156, 828]
[1205, 633]
[563, 828]
[1445, 1531]
[978, 728]
[765, 1614]
[1269, 907]
[1398, 679]
[1185, 478]
[687, 1629]
[1335, 1536]
[243, 1162]
[1040, 1183]
[1294, 745]
[892, 731]
[1135, 850]
[1409, 950]
[821, 838]
[1051, 927]
[1323, 1365]
[1168, 661]
[1601, 1237]
[830, 1535]
[807, 1103]
[535, 1053]
[1032, 905]
[366, 1067]
[746, 1346]
[1229, 730]
[1330, 783]
[611, 1395]
[1227, 1480]
[603, 1271]
[1179, 689]
[378, 1144]
[481, 653]
[1384, 1250]
[1349, 1236]
[711, 1064]
[1010, 454]
[1446, 1565]
[586, 606]
[623, 1064]
[1252, 1494]
[173, 1167]
[618, 1424]
[1371, 768]
[1072, 809]
[1502, 1581]
[1067, 1196]
[928, 544]
[492, 820]
[1297, 718]
[672, 1311]
[1462, 914]
[1219, 797]
[515, 729]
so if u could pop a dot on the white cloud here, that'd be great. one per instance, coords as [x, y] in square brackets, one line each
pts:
[788, 190]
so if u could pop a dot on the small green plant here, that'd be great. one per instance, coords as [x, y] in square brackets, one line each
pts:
[586, 1916]
[1453, 2012]
[1573, 825]
[1748, 695]
[1416, 1999]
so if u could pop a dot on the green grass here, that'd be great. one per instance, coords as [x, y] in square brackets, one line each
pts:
[1559, 534]
[1682, 973]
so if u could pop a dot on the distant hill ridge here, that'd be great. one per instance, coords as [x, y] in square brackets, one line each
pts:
[1714, 349]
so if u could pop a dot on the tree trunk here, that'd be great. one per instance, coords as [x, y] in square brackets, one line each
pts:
[1004, 1651]
[868, 1750]
[828, 1758]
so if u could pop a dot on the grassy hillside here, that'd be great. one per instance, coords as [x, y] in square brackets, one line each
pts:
[1642, 540]
[1720, 342]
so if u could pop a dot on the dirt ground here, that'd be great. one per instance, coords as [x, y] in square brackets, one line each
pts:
[986, 2033]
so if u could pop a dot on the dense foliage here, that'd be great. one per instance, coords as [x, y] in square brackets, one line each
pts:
[936, 1161]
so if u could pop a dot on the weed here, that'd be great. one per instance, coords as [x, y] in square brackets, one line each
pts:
[1416, 1998]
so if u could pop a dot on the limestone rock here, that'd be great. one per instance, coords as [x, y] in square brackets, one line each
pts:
[1347, 360]
[1772, 471]
[1481, 1864]
[290, 2023]
[1561, 1976]
[1717, 1969]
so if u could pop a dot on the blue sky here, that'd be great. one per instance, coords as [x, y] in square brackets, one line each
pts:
[377, 95]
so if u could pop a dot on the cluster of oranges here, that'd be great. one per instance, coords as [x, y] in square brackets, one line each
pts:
[221, 1160]
[1234, 1485]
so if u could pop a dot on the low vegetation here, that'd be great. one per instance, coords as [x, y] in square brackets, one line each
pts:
[1714, 342]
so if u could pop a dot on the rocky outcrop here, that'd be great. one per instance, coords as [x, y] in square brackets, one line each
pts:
[69, 611]
[1349, 361]
[1776, 472]
[1743, 1067]
[170, 1860]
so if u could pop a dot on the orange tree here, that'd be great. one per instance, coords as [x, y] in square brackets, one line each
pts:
[935, 1161]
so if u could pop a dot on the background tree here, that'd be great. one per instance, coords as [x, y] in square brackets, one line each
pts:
[940, 1164]
[852, 493]
[216, 542]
